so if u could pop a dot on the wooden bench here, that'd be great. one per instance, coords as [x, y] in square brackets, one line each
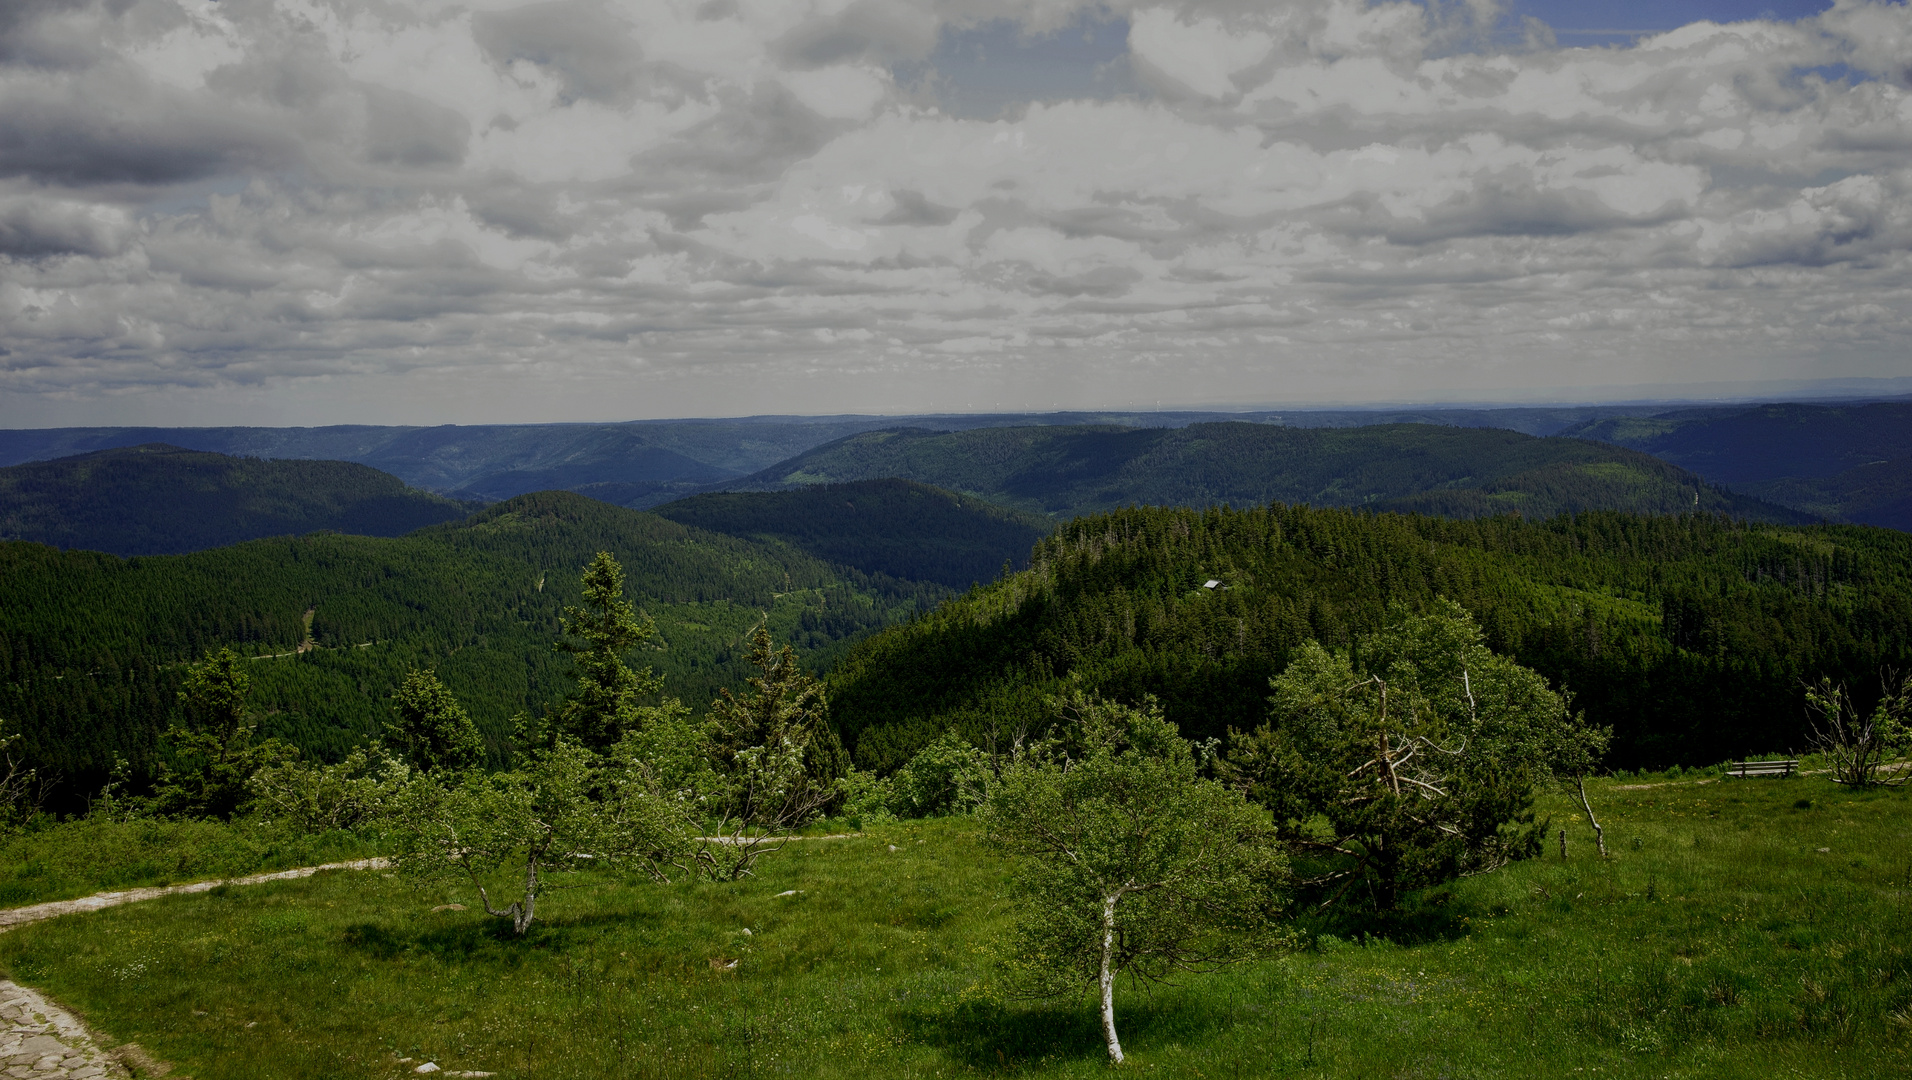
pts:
[1747, 769]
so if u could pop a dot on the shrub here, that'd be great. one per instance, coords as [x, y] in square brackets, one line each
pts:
[946, 777]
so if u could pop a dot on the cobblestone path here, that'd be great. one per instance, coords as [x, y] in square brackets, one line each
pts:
[41, 1040]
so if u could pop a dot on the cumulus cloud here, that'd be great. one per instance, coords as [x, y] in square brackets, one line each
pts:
[720, 206]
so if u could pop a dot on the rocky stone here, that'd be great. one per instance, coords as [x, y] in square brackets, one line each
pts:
[45, 1042]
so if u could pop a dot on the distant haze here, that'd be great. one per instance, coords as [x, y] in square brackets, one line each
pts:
[278, 212]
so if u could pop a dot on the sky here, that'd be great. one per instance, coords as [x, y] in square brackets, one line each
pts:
[459, 211]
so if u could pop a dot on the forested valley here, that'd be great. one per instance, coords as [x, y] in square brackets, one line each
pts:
[92, 647]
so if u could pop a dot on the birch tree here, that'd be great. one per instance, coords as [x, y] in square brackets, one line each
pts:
[1858, 745]
[566, 809]
[1127, 860]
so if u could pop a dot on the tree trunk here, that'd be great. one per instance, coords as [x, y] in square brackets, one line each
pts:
[1599, 834]
[523, 911]
[1108, 977]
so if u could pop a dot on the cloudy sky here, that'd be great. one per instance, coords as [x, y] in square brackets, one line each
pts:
[317, 211]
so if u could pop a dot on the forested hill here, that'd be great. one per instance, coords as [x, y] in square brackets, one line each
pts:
[92, 646]
[1691, 635]
[1842, 462]
[161, 500]
[895, 527]
[1451, 471]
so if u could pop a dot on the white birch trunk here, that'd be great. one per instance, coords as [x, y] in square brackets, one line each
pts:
[1599, 834]
[526, 909]
[1108, 977]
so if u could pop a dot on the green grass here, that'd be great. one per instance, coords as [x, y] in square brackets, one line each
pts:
[84, 856]
[1718, 941]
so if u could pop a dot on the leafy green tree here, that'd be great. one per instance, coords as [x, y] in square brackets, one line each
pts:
[565, 809]
[432, 731]
[613, 784]
[311, 797]
[211, 761]
[1421, 762]
[784, 703]
[1857, 745]
[1127, 859]
[605, 704]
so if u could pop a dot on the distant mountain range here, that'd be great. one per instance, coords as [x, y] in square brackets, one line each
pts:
[1453, 472]
[1842, 462]
[160, 500]
[644, 463]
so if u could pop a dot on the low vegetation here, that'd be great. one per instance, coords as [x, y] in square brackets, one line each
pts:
[1740, 929]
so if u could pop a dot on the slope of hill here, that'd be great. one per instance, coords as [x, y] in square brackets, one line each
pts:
[92, 646]
[1841, 462]
[1765, 442]
[1691, 635]
[1877, 493]
[160, 500]
[1453, 471]
[895, 527]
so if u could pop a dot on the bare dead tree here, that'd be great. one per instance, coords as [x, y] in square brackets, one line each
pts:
[1599, 834]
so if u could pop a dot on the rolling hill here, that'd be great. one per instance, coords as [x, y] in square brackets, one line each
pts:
[890, 526]
[1450, 471]
[92, 646]
[1841, 462]
[643, 463]
[161, 500]
[1693, 636]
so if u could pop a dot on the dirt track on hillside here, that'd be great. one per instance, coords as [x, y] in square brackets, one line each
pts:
[20, 916]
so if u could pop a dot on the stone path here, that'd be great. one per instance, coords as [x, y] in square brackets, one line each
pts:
[40, 1039]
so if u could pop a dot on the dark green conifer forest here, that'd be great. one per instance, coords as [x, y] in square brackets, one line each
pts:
[93, 647]
[156, 499]
[1691, 636]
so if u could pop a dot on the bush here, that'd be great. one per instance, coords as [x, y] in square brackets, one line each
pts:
[863, 798]
[946, 777]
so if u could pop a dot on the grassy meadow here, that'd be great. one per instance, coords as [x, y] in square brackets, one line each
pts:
[1752, 928]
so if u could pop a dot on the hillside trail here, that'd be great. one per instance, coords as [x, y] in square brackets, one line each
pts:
[20, 916]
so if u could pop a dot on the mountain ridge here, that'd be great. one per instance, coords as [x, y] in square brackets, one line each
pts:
[1452, 471]
[156, 499]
